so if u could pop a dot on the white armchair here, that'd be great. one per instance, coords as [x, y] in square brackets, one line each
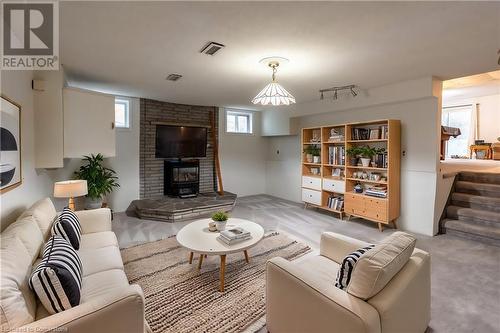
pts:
[301, 296]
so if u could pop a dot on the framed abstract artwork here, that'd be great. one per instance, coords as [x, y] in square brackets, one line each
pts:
[10, 145]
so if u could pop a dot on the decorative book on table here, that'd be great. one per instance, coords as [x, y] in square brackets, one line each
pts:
[234, 235]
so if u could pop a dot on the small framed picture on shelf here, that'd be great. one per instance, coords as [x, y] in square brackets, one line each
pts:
[337, 172]
[374, 134]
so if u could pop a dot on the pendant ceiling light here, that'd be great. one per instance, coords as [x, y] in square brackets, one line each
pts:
[274, 93]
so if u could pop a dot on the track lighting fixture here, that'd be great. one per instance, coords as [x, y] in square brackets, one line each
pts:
[354, 94]
[335, 90]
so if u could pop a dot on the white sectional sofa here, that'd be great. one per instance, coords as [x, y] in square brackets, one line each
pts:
[108, 302]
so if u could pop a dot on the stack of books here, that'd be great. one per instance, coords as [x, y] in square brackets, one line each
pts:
[379, 191]
[234, 235]
[336, 138]
[336, 203]
[384, 132]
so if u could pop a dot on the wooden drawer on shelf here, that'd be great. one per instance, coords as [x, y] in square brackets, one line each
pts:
[311, 182]
[311, 196]
[354, 204]
[334, 185]
[378, 214]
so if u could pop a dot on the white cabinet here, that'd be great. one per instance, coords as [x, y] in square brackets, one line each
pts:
[48, 107]
[311, 196]
[311, 183]
[332, 185]
[88, 123]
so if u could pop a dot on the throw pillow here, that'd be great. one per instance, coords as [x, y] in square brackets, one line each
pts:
[68, 227]
[57, 280]
[347, 267]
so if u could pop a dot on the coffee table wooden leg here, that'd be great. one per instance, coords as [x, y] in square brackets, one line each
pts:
[200, 261]
[247, 259]
[222, 271]
[191, 257]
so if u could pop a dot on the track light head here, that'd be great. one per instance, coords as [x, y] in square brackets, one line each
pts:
[354, 94]
[335, 94]
[321, 96]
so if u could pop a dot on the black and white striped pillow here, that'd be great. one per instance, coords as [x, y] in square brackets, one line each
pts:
[347, 267]
[57, 280]
[68, 227]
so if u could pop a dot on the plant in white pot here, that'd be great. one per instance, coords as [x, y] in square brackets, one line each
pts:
[100, 180]
[353, 153]
[366, 153]
[220, 218]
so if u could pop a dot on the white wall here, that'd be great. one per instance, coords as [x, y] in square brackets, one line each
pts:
[16, 85]
[488, 117]
[242, 158]
[126, 161]
[419, 123]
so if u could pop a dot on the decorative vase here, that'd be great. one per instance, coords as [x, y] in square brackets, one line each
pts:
[309, 158]
[212, 226]
[365, 161]
[93, 203]
[354, 161]
[358, 188]
[220, 225]
[316, 159]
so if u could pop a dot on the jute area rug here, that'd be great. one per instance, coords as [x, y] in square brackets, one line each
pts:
[179, 298]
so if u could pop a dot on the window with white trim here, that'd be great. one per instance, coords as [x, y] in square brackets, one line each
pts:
[239, 122]
[122, 113]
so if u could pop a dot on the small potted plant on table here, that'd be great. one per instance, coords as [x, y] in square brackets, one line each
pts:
[220, 218]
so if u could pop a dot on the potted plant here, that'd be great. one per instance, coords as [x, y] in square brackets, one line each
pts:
[353, 152]
[313, 153]
[100, 180]
[366, 153]
[220, 219]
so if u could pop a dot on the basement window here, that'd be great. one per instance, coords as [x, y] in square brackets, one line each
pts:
[239, 122]
[122, 113]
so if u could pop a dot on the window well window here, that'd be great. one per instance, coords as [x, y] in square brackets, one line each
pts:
[122, 114]
[239, 122]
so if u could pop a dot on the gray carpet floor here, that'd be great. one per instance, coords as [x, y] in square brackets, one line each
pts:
[465, 273]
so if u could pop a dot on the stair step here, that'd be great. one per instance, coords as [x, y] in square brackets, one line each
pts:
[482, 189]
[475, 202]
[486, 234]
[480, 177]
[475, 216]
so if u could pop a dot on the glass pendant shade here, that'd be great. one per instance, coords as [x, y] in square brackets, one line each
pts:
[274, 93]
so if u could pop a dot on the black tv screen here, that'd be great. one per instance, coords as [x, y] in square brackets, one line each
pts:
[180, 141]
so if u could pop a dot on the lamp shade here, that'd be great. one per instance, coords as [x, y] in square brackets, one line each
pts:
[70, 188]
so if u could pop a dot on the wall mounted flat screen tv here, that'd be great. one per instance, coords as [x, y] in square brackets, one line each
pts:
[180, 141]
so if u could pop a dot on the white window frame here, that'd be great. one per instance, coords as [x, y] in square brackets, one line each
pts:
[245, 113]
[126, 102]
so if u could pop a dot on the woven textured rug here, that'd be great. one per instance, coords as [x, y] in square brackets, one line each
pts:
[179, 298]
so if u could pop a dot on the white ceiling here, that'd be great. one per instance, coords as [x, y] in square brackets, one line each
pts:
[129, 48]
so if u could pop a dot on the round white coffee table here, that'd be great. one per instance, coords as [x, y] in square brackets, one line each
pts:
[198, 239]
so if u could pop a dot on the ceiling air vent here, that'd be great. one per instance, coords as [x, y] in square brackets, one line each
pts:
[173, 77]
[212, 48]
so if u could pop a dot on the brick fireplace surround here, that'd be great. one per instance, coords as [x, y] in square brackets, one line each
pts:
[151, 168]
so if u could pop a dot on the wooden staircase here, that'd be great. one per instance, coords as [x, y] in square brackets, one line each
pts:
[474, 209]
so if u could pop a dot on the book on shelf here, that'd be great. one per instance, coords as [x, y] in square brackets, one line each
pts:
[335, 202]
[381, 160]
[384, 133]
[379, 191]
[336, 155]
[360, 133]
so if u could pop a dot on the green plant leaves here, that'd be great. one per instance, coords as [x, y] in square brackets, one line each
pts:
[100, 180]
